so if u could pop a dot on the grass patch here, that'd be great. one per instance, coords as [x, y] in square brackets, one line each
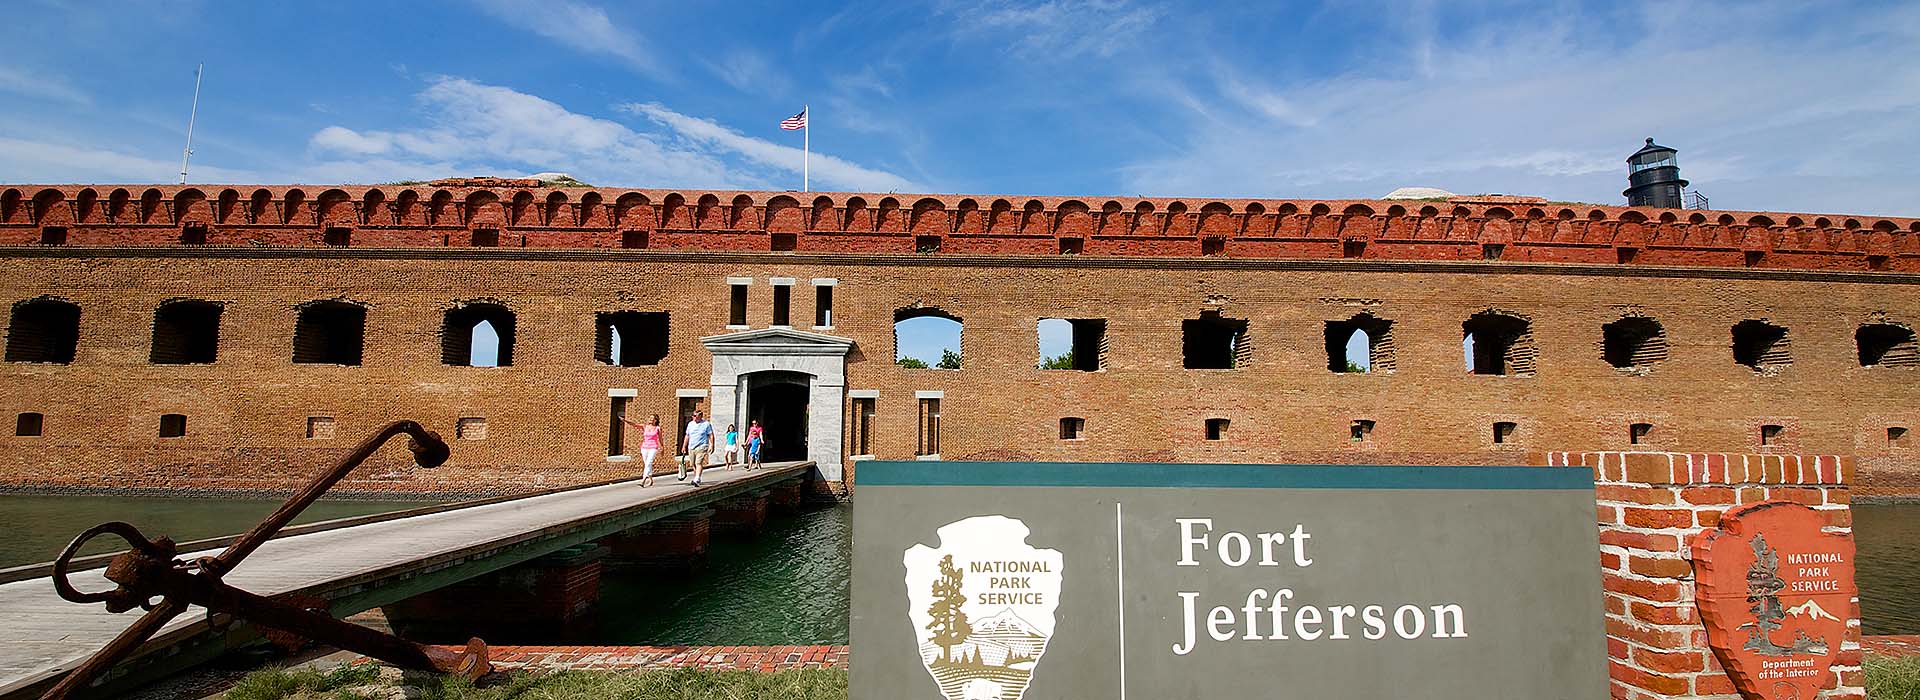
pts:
[279, 683]
[1892, 677]
[672, 684]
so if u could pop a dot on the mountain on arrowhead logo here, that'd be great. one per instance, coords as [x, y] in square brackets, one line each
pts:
[1811, 609]
[982, 606]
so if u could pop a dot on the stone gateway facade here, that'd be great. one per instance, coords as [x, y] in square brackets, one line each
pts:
[234, 338]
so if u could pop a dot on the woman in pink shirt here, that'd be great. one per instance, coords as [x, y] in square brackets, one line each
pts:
[649, 446]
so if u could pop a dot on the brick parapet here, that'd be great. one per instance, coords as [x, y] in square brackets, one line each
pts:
[440, 215]
[1648, 506]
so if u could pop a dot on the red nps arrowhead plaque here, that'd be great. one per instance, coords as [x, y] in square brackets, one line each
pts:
[1771, 588]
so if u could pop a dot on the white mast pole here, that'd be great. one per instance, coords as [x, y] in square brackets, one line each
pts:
[188, 151]
[806, 148]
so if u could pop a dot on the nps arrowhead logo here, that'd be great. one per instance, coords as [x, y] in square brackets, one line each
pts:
[1768, 583]
[982, 607]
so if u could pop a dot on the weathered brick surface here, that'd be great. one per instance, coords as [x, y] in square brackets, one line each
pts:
[409, 260]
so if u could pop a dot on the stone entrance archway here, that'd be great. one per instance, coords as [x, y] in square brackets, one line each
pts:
[779, 400]
[749, 364]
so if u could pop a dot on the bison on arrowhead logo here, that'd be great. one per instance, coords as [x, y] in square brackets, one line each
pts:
[982, 607]
[1772, 588]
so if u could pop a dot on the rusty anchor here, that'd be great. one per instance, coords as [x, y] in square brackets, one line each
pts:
[148, 570]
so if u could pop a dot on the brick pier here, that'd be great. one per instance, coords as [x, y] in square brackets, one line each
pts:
[1649, 506]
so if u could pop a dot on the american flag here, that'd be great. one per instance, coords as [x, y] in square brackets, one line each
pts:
[795, 122]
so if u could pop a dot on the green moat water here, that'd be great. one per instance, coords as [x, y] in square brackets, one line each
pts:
[34, 528]
[787, 585]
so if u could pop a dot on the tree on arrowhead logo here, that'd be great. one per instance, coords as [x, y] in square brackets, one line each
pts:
[982, 607]
[1768, 582]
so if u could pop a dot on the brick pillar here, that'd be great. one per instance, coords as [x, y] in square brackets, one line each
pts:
[677, 541]
[784, 497]
[744, 513]
[1649, 506]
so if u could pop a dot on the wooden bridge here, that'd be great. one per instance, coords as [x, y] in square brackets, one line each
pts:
[355, 568]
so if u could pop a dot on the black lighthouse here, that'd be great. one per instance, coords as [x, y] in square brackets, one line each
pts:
[1653, 177]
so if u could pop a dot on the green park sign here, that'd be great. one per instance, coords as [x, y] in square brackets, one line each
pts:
[1008, 580]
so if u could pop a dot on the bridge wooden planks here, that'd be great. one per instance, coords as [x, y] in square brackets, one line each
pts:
[42, 634]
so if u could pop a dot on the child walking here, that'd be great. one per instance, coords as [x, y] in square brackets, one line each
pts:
[733, 446]
[754, 436]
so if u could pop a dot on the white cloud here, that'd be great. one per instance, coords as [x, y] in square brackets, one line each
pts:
[343, 140]
[473, 128]
[41, 85]
[1055, 29]
[748, 71]
[477, 128]
[579, 25]
[1768, 113]
[827, 169]
[60, 163]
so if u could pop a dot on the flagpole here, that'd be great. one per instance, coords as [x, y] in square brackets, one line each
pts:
[806, 148]
[188, 151]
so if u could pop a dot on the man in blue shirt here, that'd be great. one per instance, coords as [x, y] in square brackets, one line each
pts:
[698, 445]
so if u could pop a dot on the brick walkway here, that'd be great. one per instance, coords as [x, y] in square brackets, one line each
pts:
[1892, 645]
[558, 658]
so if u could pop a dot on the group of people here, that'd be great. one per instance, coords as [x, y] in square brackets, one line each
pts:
[696, 446]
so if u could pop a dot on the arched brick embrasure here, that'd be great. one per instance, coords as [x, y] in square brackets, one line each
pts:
[1562, 235]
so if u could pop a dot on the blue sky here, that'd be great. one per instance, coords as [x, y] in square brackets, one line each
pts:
[1773, 105]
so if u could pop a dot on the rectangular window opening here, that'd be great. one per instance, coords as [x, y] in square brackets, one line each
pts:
[929, 443]
[185, 333]
[1085, 343]
[1214, 342]
[1359, 345]
[926, 244]
[737, 310]
[1878, 262]
[1072, 246]
[340, 236]
[1073, 428]
[1353, 249]
[823, 305]
[1359, 430]
[633, 240]
[330, 333]
[783, 242]
[1639, 433]
[29, 424]
[53, 235]
[1217, 428]
[1503, 432]
[1755, 257]
[173, 425]
[1213, 247]
[631, 338]
[1492, 251]
[1897, 437]
[486, 238]
[470, 428]
[193, 234]
[862, 438]
[1625, 256]
[783, 305]
[320, 427]
[617, 426]
[688, 406]
[1772, 434]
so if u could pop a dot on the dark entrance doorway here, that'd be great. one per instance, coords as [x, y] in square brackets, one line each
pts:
[779, 401]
